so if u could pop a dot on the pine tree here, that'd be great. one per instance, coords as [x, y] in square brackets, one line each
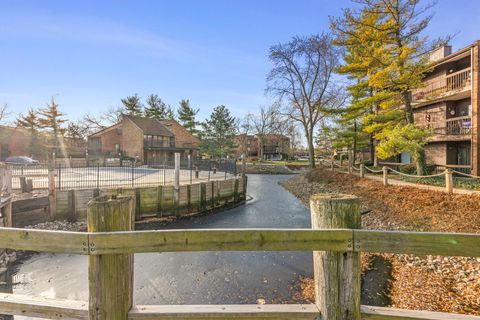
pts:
[186, 116]
[132, 105]
[396, 65]
[51, 120]
[358, 40]
[156, 108]
[170, 113]
[30, 122]
[218, 133]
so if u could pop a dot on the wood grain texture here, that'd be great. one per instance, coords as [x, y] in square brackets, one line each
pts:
[16, 304]
[337, 274]
[221, 240]
[44, 240]
[380, 313]
[110, 276]
[420, 243]
[237, 312]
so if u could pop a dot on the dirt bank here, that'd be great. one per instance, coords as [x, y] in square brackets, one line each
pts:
[447, 284]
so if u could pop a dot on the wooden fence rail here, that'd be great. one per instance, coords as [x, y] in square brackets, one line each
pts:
[111, 259]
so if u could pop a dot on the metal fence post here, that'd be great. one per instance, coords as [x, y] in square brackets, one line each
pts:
[133, 165]
[59, 176]
[98, 176]
[337, 274]
[190, 167]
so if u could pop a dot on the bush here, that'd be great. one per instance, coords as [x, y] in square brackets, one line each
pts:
[368, 163]
[411, 168]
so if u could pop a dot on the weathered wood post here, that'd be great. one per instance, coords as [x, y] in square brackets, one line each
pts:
[385, 175]
[350, 168]
[449, 181]
[110, 276]
[52, 193]
[7, 180]
[362, 170]
[332, 164]
[337, 274]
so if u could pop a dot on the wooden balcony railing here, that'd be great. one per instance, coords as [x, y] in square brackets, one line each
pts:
[147, 143]
[443, 86]
[458, 126]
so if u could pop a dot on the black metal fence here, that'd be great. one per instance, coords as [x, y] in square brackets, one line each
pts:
[124, 175]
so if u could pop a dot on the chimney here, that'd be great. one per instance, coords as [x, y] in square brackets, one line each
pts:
[439, 53]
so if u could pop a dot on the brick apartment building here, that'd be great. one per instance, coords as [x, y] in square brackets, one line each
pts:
[448, 103]
[275, 146]
[149, 140]
[18, 142]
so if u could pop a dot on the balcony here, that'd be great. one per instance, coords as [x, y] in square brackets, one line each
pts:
[455, 83]
[459, 126]
[455, 129]
[147, 143]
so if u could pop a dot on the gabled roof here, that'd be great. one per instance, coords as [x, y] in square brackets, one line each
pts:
[150, 126]
[102, 131]
[179, 131]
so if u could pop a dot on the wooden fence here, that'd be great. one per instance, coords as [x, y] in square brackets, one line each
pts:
[335, 239]
[158, 201]
[384, 171]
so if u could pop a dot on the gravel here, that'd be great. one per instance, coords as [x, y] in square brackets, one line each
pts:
[60, 225]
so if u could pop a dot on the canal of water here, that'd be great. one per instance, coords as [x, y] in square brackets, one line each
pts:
[198, 277]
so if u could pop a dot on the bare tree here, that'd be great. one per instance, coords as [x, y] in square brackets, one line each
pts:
[301, 78]
[92, 123]
[4, 113]
[244, 129]
[264, 123]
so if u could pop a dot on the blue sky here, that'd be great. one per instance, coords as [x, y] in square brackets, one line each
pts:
[89, 54]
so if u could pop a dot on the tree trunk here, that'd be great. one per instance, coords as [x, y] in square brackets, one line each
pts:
[311, 149]
[420, 161]
[372, 148]
[260, 149]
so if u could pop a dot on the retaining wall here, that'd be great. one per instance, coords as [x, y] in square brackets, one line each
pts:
[159, 201]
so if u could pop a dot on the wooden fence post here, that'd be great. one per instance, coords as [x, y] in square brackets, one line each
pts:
[337, 274]
[385, 175]
[349, 168]
[362, 170]
[449, 181]
[8, 179]
[52, 193]
[110, 276]
[332, 165]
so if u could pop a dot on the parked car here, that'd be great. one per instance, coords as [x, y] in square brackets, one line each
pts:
[21, 161]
